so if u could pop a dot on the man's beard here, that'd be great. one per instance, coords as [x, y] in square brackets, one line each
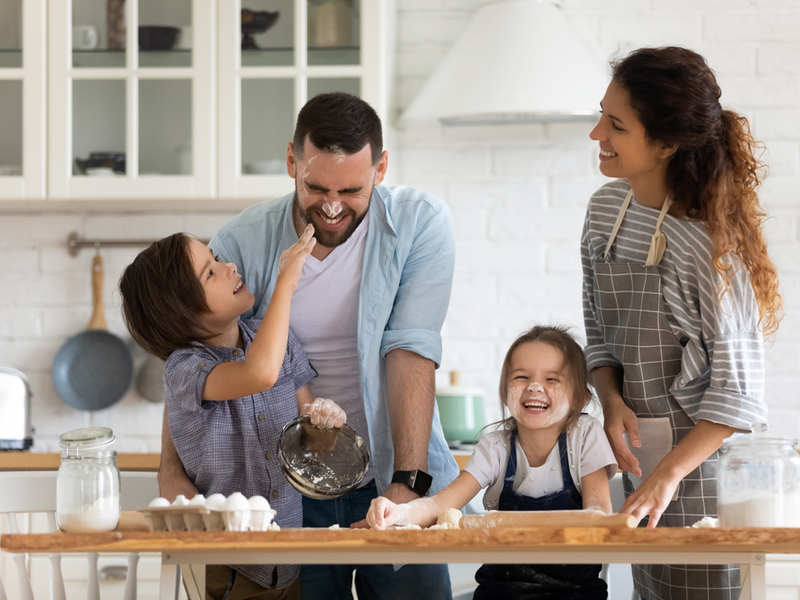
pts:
[331, 239]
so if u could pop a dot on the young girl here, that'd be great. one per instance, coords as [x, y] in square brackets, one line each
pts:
[545, 456]
[230, 390]
[678, 287]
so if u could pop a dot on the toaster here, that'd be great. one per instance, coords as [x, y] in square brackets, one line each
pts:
[16, 432]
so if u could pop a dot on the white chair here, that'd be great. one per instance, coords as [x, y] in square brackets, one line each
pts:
[35, 492]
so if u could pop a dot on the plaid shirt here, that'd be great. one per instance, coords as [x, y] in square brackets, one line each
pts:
[232, 446]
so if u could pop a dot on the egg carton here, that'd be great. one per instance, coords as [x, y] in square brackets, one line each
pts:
[201, 518]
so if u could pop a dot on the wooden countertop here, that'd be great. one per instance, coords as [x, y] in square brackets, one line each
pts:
[47, 461]
[532, 539]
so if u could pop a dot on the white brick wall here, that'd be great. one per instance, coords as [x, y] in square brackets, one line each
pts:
[519, 224]
[517, 196]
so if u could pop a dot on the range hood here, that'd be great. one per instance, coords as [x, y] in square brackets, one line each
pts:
[518, 61]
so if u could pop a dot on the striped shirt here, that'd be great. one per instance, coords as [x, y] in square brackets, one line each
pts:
[722, 365]
[232, 446]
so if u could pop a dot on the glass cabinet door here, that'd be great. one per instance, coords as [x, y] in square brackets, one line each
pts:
[132, 96]
[274, 55]
[22, 118]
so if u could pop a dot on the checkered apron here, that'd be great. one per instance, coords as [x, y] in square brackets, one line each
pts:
[631, 316]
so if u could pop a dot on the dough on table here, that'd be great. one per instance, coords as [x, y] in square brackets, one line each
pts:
[449, 518]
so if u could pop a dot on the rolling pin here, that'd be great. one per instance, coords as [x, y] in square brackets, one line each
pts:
[546, 518]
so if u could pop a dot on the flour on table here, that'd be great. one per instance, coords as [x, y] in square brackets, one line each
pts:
[334, 527]
[706, 522]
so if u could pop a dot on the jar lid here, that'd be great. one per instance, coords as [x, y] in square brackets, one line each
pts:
[759, 436]
[459, 391]
[87, 438]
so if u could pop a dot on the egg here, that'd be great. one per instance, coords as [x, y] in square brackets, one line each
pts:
[236, 501]
[198, 500]
[215, 502]
[159, 502]
[180, 501]
[258, 503]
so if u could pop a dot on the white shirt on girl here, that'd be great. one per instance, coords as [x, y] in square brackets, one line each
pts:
[588, 449]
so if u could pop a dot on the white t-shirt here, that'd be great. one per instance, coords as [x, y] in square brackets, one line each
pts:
[324, 318]
[588, 450]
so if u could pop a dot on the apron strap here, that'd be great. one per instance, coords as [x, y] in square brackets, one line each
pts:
[658, 243]
[620, 215]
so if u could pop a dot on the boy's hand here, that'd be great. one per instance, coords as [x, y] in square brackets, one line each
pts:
[325, 414]
[293, 258]
[384, 513]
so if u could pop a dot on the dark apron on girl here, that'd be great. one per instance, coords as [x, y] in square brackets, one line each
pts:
[540, 582]
[631, 316]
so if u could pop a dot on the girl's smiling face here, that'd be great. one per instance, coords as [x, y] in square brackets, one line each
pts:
[538, 387]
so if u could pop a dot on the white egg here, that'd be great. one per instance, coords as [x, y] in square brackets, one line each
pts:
[159, 502]
[198, 500]
[180, 501]
[215, 501]
[237, 501]
[258, 503]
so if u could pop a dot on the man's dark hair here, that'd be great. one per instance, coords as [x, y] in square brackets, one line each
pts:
[162, 299]
[338, 122]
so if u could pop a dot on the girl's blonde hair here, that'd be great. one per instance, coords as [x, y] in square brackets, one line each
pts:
[574, 365]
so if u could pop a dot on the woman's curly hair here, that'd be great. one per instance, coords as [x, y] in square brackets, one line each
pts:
[715, 171]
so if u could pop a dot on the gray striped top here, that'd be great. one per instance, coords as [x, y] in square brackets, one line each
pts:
[722, 372]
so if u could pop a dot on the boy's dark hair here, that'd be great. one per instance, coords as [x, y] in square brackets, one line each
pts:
[162, 299]
[338, 122]
[574, 364]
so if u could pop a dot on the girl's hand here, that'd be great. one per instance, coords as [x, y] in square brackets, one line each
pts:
[619, 419]
[293, 258]
[650, 498]
[325, 414]
[384, 513]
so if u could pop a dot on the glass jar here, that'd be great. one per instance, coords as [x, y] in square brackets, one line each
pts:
[87, 484]
[758, 481]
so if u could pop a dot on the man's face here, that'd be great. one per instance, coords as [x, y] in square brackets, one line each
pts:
[333, 190]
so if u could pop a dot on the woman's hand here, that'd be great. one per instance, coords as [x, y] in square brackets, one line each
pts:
[384, 513]
[651, 498]
[618, 419]
[293, 258]
[325, 414]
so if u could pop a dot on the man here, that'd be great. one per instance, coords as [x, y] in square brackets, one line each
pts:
[368, 310]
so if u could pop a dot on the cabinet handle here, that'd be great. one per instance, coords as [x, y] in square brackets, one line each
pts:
[113, 573]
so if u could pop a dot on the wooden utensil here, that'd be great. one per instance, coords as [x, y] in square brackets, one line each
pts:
[546, 518]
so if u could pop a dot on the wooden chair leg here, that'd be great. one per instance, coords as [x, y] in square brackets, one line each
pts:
[92, 580]
[130, 580]
[57, 589]
[25, 590]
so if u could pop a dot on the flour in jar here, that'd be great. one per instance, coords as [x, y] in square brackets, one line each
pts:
[767, 510]
[102, 515]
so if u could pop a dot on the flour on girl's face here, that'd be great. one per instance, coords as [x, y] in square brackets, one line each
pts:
[538, 387]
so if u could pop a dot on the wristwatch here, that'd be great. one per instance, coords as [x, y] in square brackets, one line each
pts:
[417, 480]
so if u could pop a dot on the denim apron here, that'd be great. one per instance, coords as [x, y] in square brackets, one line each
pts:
[632, 318]
[540, 582]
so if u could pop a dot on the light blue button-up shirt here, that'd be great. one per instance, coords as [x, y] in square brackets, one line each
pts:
[406, 278]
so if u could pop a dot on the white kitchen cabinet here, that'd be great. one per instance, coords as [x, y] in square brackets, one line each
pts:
[206, 120]
[316, 46]
[22, 98]
[155, 106]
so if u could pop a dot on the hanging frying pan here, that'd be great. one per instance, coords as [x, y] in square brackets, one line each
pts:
[94, 369]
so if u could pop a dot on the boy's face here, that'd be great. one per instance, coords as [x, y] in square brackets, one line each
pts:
[226, 295]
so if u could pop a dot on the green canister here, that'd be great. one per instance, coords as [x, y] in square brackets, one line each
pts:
[460, 411]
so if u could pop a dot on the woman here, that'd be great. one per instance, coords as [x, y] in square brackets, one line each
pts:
[678, 290]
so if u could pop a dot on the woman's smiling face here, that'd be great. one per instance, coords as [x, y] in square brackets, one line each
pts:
[625, 150]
